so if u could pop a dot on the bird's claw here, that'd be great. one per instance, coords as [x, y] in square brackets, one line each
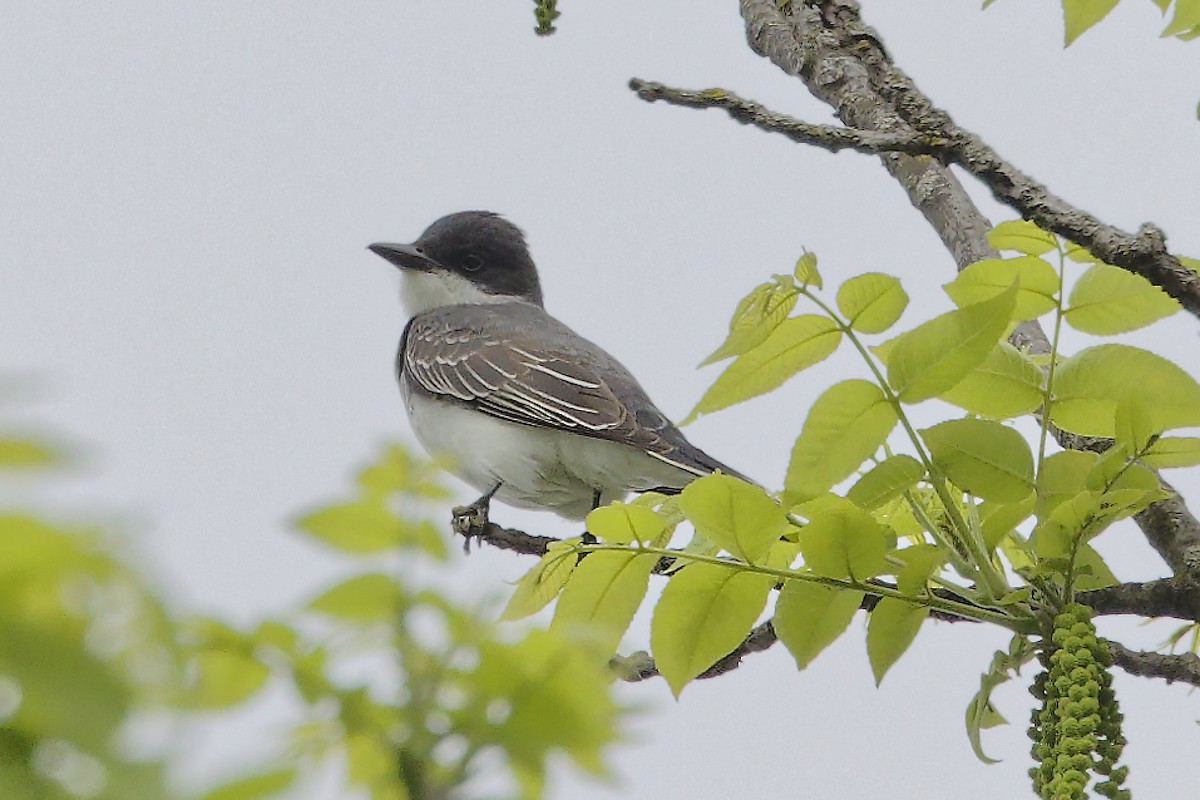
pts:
[471, 521]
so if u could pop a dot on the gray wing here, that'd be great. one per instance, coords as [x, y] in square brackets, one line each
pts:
[517, 363]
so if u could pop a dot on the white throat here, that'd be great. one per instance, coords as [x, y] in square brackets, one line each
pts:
[421, 291]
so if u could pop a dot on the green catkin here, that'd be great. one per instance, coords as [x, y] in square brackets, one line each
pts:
[1077, 731]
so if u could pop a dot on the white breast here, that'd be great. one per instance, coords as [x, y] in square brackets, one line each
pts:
[541, 469]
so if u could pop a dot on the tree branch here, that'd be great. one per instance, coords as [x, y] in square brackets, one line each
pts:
[826, 44]
[1168, 597]
[828, 137]
[840, 60]
[1184, 667]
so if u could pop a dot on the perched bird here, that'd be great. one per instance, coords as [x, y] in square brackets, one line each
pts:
[529, 411]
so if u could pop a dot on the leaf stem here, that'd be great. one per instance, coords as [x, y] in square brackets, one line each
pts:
[963, 610]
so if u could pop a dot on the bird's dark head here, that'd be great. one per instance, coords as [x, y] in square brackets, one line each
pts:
[467, 257]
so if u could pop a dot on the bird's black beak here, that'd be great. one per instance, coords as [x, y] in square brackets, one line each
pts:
[405, 256]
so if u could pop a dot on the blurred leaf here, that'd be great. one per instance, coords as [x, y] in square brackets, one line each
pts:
[796, 344]
[26, 454]
[809, 617]
[363, 527]
[704, 612]
[66, 692]
[845, 426]
[872, 302]
[223, 678]
[737, 516]
[373, 597]
[936, 355]
[253, 787]
[891, 628]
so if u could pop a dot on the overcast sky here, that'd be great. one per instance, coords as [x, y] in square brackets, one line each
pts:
[187, 189]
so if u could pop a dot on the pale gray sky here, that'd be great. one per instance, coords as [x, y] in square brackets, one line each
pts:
[187, 189]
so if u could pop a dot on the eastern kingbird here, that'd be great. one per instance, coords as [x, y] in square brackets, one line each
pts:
[529, 411]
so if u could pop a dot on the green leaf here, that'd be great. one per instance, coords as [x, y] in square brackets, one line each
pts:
[809, 617]
[253, 787]
[985, 458]
[1023, 236]
[796, 344]
[737, 516]
[373, 597]
[920, 562]
[369, 761]
[26, 454]
[806, 271]
[1173, 451]
[363, 527]
[872, 302]
[845, 426]
[1007, 384]
[1089, 385]
[997, 520]
[756, 316]
[891, 628]
[705, 612]
[1079, 15]
[223, 678]
[890, 478]
[1107, 300]
[541, 584]
[620, 523]
[65, 691]
[603, 595]
[1063, 476]
[843, 541]
[983, 280]
[933, 357]
[1092, 572]
[1187, 16]
[1134, 423]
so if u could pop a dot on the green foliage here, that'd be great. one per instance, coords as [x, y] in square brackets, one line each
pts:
[734, 515]
[705, 611]
[891, 629]
[809, 617]
[508, 704]
[846, 426]
[948, 526]
[988, 459]
[794, 345]
[933, 357]
[85, 647]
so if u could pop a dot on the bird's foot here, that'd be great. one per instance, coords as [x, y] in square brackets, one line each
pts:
[471, 521]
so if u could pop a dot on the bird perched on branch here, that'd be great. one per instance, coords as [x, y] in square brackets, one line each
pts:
[529, 411]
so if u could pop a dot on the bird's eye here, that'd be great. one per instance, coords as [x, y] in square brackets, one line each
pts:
[472, 263]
